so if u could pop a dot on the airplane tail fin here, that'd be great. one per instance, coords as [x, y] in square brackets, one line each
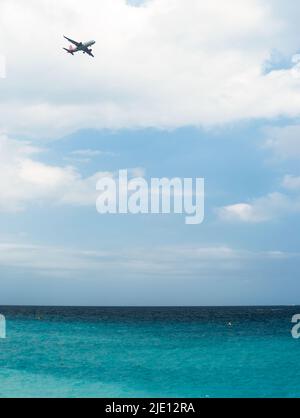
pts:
[70, 52]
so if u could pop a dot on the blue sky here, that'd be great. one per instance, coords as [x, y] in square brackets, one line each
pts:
[165, 102]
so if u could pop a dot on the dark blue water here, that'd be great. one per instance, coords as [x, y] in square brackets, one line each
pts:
[149, 352]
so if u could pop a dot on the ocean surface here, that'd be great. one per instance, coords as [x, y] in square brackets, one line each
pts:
[149, 352]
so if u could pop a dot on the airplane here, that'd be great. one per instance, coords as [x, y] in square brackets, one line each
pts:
[80, 46]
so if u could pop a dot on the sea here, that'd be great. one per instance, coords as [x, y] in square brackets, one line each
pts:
[194, 352]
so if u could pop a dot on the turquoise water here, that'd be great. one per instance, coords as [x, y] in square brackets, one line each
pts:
[149, 352]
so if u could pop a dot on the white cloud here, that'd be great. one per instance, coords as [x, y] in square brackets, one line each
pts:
[24, 180]
[89, 153]
[291, 182]
[267, 208]
[284, 141]
[177, 261]
[166, 64]
[244, 212]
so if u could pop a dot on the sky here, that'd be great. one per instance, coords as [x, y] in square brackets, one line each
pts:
[176, 89]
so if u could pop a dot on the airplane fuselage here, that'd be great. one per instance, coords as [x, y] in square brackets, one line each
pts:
[84, 46]
[89, 43]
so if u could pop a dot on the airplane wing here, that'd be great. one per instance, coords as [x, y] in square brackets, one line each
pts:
[90, 53]
[73, 42]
